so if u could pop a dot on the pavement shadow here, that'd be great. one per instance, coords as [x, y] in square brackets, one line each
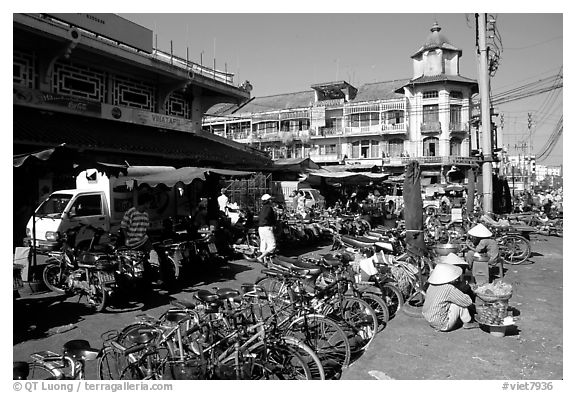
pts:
[297, 250]
[38, 317]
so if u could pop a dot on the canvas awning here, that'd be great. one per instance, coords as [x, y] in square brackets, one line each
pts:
[185, 175]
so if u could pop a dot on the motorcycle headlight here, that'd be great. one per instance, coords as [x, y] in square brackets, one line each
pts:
[52, 236]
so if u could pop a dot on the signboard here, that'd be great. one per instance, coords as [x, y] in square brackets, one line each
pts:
[318, 117]
[58, 102]
[111, 26]
[137, 116]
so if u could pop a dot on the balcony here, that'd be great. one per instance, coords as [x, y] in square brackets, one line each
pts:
[442, 160]
[321, 158]
[326, 132]
[375, 129]
[241, 137]
[458, 127]
[398, 128]
[431, 127]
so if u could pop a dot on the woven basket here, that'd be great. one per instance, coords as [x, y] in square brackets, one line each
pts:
[492, 298]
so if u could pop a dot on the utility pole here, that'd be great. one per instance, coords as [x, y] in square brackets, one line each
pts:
[529, 173]
[484, 87]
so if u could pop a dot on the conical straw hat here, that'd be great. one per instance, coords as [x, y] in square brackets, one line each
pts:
[453, 259]
[480, 231]
[444, 273]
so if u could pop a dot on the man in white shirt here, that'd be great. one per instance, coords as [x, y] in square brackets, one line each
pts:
[223, 201]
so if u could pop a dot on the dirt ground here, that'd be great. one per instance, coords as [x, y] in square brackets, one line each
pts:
[407, 349]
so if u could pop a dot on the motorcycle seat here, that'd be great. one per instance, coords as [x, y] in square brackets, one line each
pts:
[142, 335]
[296, 266]
[90, 258]
[80, 350]
[354, 243]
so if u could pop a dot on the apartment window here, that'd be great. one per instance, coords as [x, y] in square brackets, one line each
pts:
[456, 94]
[395, 147]
[455, 147]
[328, 149]
[431, 147]
[430, 113]
[365, 149]
[395, 117]
[295, 125]
[266, 126]
[430, 94]
[364, 119]
[455, 113]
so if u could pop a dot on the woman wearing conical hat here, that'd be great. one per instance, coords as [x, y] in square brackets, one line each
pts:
[446, 306]
[480, 237]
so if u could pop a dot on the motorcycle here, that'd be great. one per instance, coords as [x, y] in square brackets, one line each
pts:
[90, 274]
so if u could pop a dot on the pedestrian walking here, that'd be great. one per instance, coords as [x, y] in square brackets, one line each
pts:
[266, 222]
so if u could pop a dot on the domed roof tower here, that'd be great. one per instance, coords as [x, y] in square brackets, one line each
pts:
[436, 56]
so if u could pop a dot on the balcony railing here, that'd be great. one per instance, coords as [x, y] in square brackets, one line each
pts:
[432, 126]
[442, 160]
[327, 132]
[330, 157]
[373, 129]
[458, 127]
[395, 128]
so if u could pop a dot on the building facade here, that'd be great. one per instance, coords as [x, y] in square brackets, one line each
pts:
[385, 124]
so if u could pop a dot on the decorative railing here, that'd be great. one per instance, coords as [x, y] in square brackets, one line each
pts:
[399, 127]
[433, 126]
[458, 127]
[376, 128]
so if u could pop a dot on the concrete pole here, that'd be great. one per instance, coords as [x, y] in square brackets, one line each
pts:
[484, 87]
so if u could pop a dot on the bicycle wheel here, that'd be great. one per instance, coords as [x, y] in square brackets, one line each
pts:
[325, 337]
[308, 355]
[39, 371]
[278, 294]
[380, 308]
[515, 249]
[361, 318]
[393, 298]
[114, 365]
[280, 362]
[99, 295]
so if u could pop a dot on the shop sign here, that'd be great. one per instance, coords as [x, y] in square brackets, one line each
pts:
[162, 121]
[52, 101]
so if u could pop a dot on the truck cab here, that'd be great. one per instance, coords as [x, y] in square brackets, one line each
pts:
[66, 209]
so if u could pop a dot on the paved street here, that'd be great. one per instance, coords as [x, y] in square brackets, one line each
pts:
[407, 349]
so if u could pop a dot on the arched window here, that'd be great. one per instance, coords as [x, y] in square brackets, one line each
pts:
[455, 147]
[395, 147]
[431, 146]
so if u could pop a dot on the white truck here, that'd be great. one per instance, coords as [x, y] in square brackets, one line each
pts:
[99, 201]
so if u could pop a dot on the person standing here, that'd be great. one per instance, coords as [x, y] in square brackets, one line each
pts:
[135, 223]
[223, 201]
[266, 222]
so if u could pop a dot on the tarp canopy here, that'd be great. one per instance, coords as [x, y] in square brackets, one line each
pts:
[185, 175]
[345, 177]
[64, 159]
[295, 165]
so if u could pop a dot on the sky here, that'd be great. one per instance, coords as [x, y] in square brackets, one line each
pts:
[288, 52]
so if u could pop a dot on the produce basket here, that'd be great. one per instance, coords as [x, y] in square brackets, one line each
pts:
[493, 292]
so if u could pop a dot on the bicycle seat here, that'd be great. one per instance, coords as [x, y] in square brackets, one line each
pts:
[20, 370]
[141, 335]
[272, 272]
[228, 293]
[176, 315]
[183, 304]
[206, 296]
[80, 350]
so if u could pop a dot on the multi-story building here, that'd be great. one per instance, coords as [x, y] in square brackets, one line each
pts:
[96, 83]
[385, 124]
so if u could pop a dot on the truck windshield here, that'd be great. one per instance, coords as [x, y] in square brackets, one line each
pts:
[55, 204]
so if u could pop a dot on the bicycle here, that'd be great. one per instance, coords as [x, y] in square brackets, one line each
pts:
[70, 364]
